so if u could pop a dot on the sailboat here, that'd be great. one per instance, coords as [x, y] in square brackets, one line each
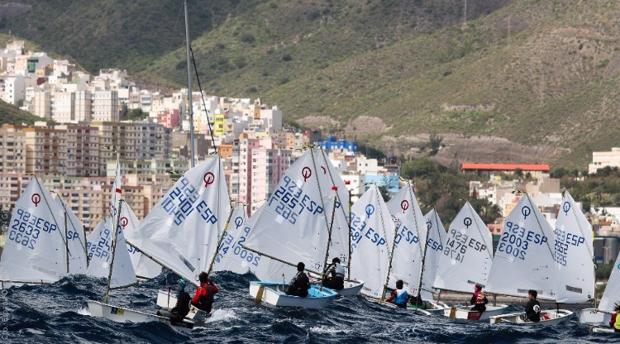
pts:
[233, 257]
[372, 235]
[117, 275]
[100, 254]
[466, 261]
[410, 249]
[297, 225]
[435, 237]
[182, 232]
[600, 316]
[42, 244]
[530, 255]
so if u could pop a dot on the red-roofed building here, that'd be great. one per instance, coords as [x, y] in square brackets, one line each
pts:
[503, 167]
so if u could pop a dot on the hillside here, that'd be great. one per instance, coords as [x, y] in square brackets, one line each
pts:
[520, 80]
[13, 115]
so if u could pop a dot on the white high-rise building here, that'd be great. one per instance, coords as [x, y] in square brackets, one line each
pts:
[105, 106]
[42, 104]
[83, 106]
[63, 107]
[14, 89]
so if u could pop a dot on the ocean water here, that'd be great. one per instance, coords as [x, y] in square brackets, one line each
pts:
[57, 313]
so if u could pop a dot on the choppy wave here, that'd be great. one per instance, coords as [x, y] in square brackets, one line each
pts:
[57, 313]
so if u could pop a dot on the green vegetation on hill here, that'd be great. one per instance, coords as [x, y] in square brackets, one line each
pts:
[544, 74]
[12, 115]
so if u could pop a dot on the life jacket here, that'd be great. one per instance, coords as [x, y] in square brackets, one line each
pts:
[617, 323]
[401, 297]
[338, 270]
[480, 298]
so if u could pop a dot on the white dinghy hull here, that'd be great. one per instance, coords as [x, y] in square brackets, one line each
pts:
[166, 300]
[125, 315]
[465, 313]
[592, 316]
[272, 294]
[548, 318]
[606, 330]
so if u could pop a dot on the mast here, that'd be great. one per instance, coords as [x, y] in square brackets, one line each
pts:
[66, 241]
[219, 242]
[329, 235]
[350, 247]
[428, 229]
[387, 278]
[114, 230]
[190, 110]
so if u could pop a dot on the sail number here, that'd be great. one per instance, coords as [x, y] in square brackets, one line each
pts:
[26, 228]
[360, 229]
[236, 249]
[403, 232]
[563, 240]
[290, 201]
[516, 240]
[100, 249]
[458, 243]
[181, 202]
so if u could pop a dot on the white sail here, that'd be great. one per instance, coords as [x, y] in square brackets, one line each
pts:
[467, 253]
[75, 234]
[293, 227]
[182, 231]
[100, 242]
[573, 250]
[434, 250]
[408, 243]
[611, 295]
[372, 231]
[143, 266]
[233, 257]
[524, 256]
[35, 247]
[337, 204]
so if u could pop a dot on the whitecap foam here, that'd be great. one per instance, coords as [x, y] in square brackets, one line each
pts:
[322, 329]
[222, 315]
[83, 311]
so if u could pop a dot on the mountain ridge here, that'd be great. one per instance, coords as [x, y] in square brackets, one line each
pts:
[505, 80]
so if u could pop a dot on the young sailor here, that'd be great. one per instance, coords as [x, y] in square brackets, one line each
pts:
[479, 300]
[532, 309]
[203, 299]
[615, 319]
[180, 310]
[300, 283]
[399, 296]
[334, 276]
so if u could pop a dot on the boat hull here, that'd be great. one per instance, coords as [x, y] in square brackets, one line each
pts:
[272, 294]
[465, 313]
[592, 316]
[166, 300]
[351, 288]
[548, 318]
[606, 330]
[125, 315]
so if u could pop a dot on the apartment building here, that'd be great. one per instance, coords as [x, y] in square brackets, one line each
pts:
[12, 149]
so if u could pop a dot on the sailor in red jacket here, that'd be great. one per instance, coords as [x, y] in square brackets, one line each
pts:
[203, 299]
